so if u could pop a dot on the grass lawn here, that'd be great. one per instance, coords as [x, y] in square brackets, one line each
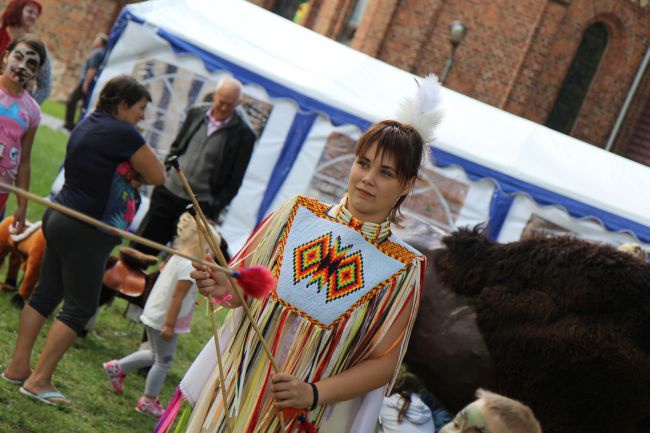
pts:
[54, 108]
[79, 375]
[47, 157]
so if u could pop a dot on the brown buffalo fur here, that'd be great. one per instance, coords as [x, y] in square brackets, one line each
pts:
[566, 322]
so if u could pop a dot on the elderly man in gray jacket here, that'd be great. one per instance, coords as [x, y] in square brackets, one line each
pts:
[213, 147]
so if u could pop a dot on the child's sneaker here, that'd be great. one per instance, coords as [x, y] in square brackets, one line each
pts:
[115, 375]
[150, 407]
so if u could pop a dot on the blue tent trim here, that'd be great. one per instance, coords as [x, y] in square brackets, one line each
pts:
[296, 137]
[511, 185]
[120, 25]
[275, 90]
[212, 62]
[116, 32]
[499, 208]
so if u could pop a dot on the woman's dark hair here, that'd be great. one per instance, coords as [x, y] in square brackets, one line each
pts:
[405, 385]
[404, 143]
[13, 13]
[32, 42]
[122, 88]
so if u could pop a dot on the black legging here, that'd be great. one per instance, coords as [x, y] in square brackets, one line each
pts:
[72, 270]
[71, 106]
[159, 224]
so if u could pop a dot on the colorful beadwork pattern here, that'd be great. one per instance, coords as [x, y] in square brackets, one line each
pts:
[330, 275]
[328, 265]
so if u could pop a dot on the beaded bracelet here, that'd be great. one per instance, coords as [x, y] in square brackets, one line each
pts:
[314, 389]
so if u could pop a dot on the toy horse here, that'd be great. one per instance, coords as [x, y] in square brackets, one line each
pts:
[26, 251]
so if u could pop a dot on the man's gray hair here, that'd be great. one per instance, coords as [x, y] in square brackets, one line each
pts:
[232, 82]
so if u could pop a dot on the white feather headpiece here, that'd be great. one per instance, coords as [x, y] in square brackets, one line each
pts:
[423, 111]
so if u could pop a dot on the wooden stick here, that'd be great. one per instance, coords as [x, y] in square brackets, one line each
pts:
[110, 229]
[160, 247]
[222, 260]
[224, 392]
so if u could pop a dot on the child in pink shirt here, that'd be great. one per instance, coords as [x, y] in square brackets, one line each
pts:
[19, 117]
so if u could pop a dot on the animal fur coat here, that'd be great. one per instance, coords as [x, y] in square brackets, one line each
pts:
[566, 323]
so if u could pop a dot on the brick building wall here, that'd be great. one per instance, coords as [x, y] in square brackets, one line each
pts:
[633, 138]
[515, 56]
[516, 53]
[68, 27]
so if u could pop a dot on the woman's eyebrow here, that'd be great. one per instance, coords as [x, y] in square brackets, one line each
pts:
[25, 53]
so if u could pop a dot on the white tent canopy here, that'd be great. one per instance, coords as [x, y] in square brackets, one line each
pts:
[318, 89]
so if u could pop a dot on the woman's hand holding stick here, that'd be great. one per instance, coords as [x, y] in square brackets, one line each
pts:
[212, 242]
[222, 377]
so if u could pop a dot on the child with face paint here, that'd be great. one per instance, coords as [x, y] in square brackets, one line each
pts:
[19, 117]
[493, 413]
[19, 18]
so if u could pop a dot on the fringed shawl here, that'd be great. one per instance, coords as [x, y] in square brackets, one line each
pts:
[338, 295]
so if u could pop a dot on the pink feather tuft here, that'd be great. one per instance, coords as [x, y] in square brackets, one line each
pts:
[257, 281]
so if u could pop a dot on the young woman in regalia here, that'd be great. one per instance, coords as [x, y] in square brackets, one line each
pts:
[339, 319]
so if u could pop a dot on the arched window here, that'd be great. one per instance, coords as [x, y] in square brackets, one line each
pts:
[352, 22]
[576, 83]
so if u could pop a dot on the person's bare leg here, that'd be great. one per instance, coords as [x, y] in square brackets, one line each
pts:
[59, 339]
[29, 326]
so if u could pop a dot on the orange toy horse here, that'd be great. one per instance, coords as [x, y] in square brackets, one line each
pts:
[27, 250]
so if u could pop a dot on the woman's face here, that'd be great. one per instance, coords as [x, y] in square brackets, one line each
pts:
[30, 15]
[21, 64]
[132, 114]
[374, 186]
